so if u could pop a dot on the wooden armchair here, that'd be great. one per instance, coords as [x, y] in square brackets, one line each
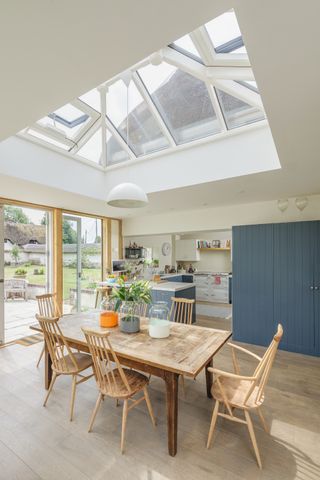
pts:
[64, 361]
[236, 391]
[15, 288]
[117, 383]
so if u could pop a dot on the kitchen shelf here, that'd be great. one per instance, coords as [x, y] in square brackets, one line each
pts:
[215, 249]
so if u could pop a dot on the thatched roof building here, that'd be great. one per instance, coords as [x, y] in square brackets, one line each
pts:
[23, 234]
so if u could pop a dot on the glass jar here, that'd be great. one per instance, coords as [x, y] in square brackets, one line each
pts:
[159, 324]
[108, 317]
[129, 313]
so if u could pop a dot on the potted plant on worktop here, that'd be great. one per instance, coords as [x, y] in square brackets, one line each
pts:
[128, 301]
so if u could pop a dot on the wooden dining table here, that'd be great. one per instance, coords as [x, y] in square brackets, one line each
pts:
[188, 350]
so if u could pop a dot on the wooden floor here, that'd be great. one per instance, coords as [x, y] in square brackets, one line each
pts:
[41, 443]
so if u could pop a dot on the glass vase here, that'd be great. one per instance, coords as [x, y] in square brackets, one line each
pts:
[129, 317]
[159, 324]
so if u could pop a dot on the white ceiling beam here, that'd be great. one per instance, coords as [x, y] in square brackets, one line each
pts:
[51, 133]
[145, 95]
[203, 44]
[230, 73]
[184, 63]
[119, 139]
[241, 92]
[103, 103]
[216, 107]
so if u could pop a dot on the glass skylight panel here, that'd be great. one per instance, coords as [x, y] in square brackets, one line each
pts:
[45, 138]
[92, 98]
[144, 133]
[182, 100]
[236, 112]
[250, 84]
[225, 34]
[185, 45]
[67, 120]
[92, 149]
[69, 113]
[115, 154]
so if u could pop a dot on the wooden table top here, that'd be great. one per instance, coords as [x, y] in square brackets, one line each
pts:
[186, 351]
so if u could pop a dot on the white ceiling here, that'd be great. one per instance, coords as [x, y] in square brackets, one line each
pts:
[70, 48]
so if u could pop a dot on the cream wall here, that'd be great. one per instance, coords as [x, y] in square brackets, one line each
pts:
[220, 218]
[155, 242]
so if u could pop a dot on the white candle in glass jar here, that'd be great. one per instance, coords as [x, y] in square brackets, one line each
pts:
[159, 328]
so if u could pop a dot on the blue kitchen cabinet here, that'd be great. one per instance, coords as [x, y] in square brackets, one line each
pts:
[276, 279]
[166, 295]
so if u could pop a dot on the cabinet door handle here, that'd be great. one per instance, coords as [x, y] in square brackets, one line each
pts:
[311, 287]
[316, 288]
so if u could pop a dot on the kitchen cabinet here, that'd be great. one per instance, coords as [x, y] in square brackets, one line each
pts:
[276, 279]
[212, 288]
[187, 250]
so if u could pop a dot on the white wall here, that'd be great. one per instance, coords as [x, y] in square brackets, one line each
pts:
[155, 242]
[220, 218]
[212, 261]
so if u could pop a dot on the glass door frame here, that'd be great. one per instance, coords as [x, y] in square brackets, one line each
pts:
[2, 339]
[73, 218]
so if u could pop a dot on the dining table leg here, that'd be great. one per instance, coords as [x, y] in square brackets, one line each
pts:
[171, 380]
[47, 368]
[209, 378]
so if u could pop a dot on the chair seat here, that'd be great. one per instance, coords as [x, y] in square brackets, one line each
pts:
[137, 381]
[236, 391]
[83, 360]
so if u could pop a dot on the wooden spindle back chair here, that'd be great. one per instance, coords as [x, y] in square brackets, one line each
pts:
[47, 307]
[181, 310]
[64, 360]
[113, 380]
[236, 391]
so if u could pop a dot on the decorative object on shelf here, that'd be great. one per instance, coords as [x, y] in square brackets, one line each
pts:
[228, 244]
[108, 315]
[191, 269]
[301, 203]
[166, 249]
[128, 300]
[127, 195]
[283, 204]
[216, 243]
[159, 324]
[133, 252]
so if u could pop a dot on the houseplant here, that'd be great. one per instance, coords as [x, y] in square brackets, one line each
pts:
[128, 300]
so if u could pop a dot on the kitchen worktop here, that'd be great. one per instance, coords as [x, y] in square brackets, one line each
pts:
[172, 286]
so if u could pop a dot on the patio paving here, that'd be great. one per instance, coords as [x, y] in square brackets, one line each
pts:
[19, 315]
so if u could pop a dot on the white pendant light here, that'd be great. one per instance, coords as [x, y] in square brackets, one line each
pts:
[127, 195]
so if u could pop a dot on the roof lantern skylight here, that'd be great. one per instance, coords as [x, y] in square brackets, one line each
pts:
[175, 97]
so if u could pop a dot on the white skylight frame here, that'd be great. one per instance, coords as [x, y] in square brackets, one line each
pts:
[216, 70]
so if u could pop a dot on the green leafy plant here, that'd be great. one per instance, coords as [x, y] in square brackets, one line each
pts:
[21, 271]
[15, 253]
[137, 292]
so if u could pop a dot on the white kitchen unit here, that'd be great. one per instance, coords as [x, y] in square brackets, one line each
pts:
[212, 287]
[187, 250]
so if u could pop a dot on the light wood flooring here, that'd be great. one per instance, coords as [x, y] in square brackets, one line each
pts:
[41, 443]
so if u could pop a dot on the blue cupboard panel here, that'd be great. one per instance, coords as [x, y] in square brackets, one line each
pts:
[294, 266]
[317, 291]
[252, 284]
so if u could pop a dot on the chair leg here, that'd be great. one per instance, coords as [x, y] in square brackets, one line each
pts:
[262, 419]
[95, 411]
[54, 376]
[73, 395]
[147, 399]
[124, 423]
[41, 355]
[253, 437]
[213, 423]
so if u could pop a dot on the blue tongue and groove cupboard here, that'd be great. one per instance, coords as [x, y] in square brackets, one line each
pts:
[276, 279]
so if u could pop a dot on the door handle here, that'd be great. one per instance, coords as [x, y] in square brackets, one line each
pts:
[316, 288]
[311, 287]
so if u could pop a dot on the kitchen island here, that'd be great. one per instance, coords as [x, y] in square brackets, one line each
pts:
[164, 291]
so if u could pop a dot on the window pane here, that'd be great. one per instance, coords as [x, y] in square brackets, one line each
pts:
[92, 98]
[225, 34]
[250, 84]
[236, 112]
[67, 120]
[144, 134]
[115, 154]
[48, 139]
[182, 100]
[69, 112]
[92, 149]
[185, 45]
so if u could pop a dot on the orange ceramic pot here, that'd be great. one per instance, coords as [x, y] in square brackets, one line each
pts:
[108, 319]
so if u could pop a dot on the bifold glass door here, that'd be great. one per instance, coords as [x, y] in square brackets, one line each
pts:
[82, 261]
[25, 267]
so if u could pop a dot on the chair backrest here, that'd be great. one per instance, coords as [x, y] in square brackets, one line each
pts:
[18, 283]
[102, 356]
[48, 306]
[57, 344]
[181, 310]
[262, 372]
